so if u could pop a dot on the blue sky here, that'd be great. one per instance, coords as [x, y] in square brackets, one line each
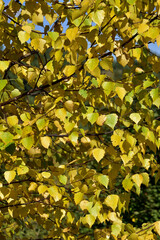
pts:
[153, 46]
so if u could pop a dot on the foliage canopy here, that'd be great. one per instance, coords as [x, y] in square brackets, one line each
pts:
[75, 141]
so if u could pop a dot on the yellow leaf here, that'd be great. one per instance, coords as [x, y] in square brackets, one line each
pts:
[22, 169]
[78, 197]
[61, 113]
[69, 105]
[9, 175]
[38, 44]
[116, 139]
[101, 119]
[46, 174]
[45, 141]
[112, 201]
[71, 33]
[69, 70]
[157, 227]
[98, 154]
[12, 120]
[86, 205]
[23, 36]
[27, 28]
[138, 179]
[69, 126]
[4, 65]
[143, 27]
[121, 92]
[42, 188]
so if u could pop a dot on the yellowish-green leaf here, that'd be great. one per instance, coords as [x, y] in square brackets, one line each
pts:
[53, 35]
[92, 117]
[112, 201]
[135, 117]
[108, 87]
[41, 123]
[103, 179]
[9, 175]
[3, 83]
[62, 179]
[127, 184]
[28, 142]
[61, 113]
[88, 219]
[54, 192]
[98, 154]
[22, 169]
[92, 63]
[74, 137]
[111, 120]
[98, 16]
[69, 126]
[116, 229]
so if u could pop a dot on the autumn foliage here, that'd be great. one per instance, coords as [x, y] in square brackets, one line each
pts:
[74, 141]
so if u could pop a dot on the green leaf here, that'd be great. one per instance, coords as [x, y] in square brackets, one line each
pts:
[10, 148]
[111, 120]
